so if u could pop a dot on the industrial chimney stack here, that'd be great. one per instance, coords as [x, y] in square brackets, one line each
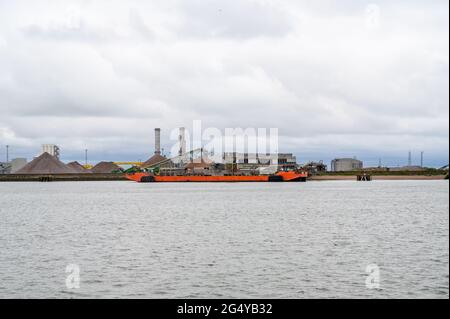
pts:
[182, 141]
[157, 141]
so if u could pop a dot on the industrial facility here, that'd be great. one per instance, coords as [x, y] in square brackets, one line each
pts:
[157, 157]
[12, 166]
[346, 165]
[253, 161]
[51, 149]
[196, 162]
[315, 167]
[187, 162]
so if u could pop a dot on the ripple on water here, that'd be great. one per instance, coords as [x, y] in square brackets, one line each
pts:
[299, 240]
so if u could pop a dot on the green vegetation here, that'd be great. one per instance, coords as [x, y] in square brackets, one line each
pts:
[425, 172]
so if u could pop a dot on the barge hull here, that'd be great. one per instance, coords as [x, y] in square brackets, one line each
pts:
[280, 177]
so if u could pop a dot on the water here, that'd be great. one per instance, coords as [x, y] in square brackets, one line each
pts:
[256, 240]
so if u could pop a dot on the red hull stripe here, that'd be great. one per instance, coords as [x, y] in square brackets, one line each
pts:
[286, 176]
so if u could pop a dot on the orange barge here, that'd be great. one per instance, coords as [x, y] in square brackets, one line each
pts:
[278, 177]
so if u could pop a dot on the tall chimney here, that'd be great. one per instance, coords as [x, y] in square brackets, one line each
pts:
[157, 141]
[182, 140]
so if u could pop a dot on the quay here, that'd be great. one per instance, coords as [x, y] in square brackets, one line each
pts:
[121, 177]
[61, 177]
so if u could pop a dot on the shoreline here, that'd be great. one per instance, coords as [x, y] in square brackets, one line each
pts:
[62, 177]
[121, 177]
[379, 178]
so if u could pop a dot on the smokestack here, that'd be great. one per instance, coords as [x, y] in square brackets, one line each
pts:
[182, 140]
[157, 141]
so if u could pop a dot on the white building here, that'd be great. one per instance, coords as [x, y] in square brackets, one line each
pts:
[282, 160]
[17, 164]
[52, 149]
[346, 165]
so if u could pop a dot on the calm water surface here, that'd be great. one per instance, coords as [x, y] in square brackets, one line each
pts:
[262, 240]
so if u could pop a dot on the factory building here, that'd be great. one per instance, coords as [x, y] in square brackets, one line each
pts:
[284, 161]
[315, 167]
[5, 168]
[51, 149]
[12, 166]
[346, 165]
[197, 161]
[17, 164]
[157, 157]
[182, 141]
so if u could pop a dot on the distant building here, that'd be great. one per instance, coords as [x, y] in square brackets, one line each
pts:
[201, 167]
[287, 161]
[315, 167]
[52, 149]
[5, 168]
[346, 165]
[17, 164]
[252, 160]
[12, 166]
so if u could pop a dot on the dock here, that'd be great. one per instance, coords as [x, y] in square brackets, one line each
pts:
[61, 177]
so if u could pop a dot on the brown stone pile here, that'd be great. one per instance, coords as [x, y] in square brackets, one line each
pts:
[46, 164]
[79, 168]
[155, 159]
[105, 168]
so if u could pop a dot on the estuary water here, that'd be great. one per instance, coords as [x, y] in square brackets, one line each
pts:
[340, 239]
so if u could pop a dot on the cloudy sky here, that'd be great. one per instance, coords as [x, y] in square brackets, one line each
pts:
[338, 78]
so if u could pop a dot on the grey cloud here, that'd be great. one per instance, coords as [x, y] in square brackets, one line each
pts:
[243, 19]
[106, 78]
[139, 24]
[65, 33]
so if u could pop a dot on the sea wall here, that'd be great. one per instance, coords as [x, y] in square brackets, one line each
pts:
[61, 177]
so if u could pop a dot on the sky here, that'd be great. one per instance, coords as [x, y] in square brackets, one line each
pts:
[337, 78]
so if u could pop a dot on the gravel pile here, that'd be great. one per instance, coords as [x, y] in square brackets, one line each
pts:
[155, 159]
[46, 164]
[79, 168]
[105, 168]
